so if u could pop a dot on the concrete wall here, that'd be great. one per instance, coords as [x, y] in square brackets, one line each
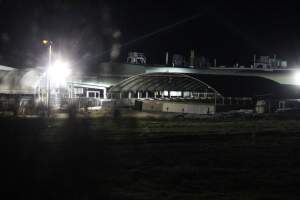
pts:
[152, 106]
[189, 108]
[174, 107]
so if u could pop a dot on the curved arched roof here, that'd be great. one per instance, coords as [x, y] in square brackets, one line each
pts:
[162, 81]
[223, 85]
[19, 81]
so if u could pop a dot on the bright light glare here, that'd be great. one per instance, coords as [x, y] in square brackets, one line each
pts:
[297, 78]
[59, 72]
[45, 42]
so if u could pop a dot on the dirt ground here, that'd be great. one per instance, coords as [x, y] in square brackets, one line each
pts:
[105, 157]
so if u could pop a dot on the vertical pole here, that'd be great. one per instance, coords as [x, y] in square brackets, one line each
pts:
[147, 94]
[39, 93]
[254, 60]
[167, 58]
[71, 91]
[48, 81]
[215, 99]
[192, 61]
[138, 94]
[104, 93]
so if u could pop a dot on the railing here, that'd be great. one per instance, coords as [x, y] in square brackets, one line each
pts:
[81, 102]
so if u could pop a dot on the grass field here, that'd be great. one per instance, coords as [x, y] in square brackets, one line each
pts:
[150, 158]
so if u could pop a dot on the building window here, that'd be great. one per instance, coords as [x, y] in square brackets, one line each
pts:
[91, 94]
[78, 90]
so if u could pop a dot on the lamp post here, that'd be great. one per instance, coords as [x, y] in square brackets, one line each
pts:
[49, 44]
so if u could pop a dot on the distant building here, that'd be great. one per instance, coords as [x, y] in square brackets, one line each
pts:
[112, 82]
[136, 58]
[267, 62]
[178, 60]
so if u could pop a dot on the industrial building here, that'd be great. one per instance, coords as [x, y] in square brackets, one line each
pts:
[153, 88]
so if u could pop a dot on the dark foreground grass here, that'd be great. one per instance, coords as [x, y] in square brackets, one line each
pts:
[130, 158]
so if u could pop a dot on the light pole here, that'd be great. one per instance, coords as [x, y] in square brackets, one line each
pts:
[49, 44]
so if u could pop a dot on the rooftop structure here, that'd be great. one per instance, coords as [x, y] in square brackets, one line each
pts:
[136, 58]
[267, 62]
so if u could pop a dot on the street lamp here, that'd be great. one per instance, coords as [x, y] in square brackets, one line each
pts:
[49, 44]
[56, 74]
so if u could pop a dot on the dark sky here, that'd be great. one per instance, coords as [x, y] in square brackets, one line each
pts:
[89, 32]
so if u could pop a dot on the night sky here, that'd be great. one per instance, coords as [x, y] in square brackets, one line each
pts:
[90, 32]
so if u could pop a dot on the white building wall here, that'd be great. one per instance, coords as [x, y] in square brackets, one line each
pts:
[152, 106]
[161, 106]
[189, 108]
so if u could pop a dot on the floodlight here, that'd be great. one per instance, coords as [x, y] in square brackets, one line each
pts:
[45, 42]
[296, 77]
[59, 72]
